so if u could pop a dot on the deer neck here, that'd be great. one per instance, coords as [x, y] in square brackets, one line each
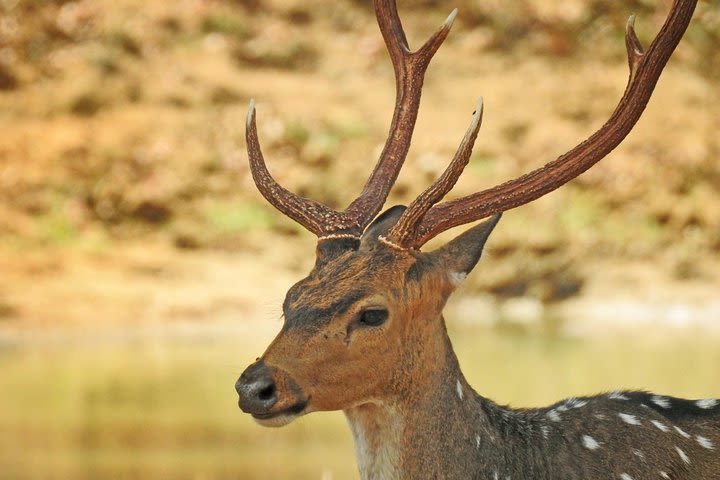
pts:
[430, 430]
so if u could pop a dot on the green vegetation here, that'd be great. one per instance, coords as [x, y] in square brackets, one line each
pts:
[121, 104]
[236, 219]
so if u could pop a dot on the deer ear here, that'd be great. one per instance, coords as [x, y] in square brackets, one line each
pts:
[461, 254]
[380, 226]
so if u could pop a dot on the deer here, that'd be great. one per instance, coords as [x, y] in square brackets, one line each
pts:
[364, 331]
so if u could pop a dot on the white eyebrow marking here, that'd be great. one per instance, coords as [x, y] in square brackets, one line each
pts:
[681, 432]
[629, 419]
[705, 442]
[589, 442]
[707, 403]
[458, 387]
[618, 395]
[553, 415]
[663, 402]
[683, 455]
[661, 426]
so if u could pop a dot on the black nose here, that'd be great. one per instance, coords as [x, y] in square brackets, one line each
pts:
[256, 388]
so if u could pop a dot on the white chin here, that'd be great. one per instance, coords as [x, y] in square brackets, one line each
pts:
[278, 421]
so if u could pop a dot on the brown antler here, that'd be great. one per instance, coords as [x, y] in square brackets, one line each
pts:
[645, 69]
[409, 68]
[402, 232]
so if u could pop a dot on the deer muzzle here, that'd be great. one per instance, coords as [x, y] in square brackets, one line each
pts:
[270, 395]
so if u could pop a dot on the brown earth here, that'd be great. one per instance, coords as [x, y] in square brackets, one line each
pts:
[125, 195]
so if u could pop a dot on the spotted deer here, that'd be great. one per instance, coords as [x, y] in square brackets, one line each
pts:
[364, 331]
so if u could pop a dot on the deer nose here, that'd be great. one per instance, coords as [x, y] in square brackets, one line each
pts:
[256, 388]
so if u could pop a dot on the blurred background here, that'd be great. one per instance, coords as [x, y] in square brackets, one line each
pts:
[140, 271]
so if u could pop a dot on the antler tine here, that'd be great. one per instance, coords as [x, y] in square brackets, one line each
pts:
[403, 233]
[409, 68]
[409, 75]
[314, 216]
[645, 69]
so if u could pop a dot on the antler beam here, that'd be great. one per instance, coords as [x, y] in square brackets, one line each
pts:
[410, 69]
[645, 70]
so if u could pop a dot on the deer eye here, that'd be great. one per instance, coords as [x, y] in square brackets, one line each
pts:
[373, 317]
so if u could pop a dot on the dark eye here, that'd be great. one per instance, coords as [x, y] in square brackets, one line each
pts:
[373, 317]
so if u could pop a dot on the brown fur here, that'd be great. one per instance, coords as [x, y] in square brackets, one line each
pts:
[411, 411]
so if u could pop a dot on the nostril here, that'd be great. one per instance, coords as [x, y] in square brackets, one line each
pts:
[267, 393]
[257, 389]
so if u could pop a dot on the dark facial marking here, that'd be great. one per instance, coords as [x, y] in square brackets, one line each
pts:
[310, 318]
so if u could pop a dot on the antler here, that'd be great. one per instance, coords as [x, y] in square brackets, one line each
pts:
[402, 232]
[410, 69]
[416, 227]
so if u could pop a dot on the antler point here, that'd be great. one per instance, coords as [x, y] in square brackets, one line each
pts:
[634, 47]
[450, 19]
[630, 22]
[251, 111]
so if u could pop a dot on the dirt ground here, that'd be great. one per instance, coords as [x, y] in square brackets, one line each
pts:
[125, 196]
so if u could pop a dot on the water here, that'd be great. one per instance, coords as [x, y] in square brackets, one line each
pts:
[165, 407]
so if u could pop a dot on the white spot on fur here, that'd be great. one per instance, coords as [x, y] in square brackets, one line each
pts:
[589, 442]
[664, 474]
[629, 419]
[682, 432]
[456, 278]
[553, 415]
[683, 455]
[625, 476]
[707, 403]
[663, 402]
[618, 395]
[545, 431]
[705, 442]
[638, 453]
[660, 426]
[459, 388]
[575, 403]
[477, 441]
[496, 476]
[600, 416]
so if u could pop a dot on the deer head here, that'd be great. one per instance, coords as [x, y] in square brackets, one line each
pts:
[365, 326]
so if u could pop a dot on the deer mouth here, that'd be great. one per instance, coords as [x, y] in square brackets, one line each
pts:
[281, 417]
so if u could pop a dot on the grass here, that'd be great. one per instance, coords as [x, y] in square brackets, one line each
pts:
[232, 218]
[226, 24]
[140, 74]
